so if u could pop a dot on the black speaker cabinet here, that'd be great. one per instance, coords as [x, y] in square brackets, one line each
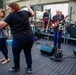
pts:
[73, 32]
[74, 51]
[49, 50]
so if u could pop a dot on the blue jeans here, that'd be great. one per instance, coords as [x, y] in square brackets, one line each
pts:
[22, 43]
[57, 39]
[3, 47]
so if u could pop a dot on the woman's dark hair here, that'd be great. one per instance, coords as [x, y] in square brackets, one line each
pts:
[14, 6]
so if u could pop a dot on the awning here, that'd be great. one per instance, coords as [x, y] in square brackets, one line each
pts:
[22, 3]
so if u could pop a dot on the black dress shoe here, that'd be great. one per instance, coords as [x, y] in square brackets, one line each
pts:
[13, 69]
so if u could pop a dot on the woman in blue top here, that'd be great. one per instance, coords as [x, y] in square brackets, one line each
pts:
[3, 38]
[22, 34]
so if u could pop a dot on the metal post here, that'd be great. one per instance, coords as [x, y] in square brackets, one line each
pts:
[4, 5]
[35, 8]
[70, 14]
[70, 10]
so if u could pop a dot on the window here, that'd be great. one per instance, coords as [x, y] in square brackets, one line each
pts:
[54, 7]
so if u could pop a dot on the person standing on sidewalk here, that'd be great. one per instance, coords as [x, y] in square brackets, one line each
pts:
[3, 38]
[23, 37]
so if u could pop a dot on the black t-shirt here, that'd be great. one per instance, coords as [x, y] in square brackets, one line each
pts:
[46, 15]
[57, 17]
[19, 24]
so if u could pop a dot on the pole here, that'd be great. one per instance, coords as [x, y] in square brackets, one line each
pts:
[4, 5]
[70, 10]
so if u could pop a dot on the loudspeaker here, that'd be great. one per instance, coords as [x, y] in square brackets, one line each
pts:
[49, 50]
[74, 51]
[73, 32]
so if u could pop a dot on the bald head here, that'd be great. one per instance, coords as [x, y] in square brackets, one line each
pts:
[57, 12]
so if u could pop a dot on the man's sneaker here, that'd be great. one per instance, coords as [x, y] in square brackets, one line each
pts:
[55, 48]
[29, 70]
[13, 69]
[59, 49]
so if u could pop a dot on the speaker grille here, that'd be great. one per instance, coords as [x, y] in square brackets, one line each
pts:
[47, 50]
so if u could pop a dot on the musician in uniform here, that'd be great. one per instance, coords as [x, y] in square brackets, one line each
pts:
[59, 17]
